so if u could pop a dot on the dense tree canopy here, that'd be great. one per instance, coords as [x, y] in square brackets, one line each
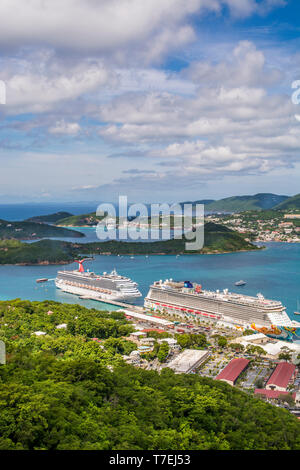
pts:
[70, 389]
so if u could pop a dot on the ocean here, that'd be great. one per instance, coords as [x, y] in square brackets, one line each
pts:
[13, 212]
[274, 272]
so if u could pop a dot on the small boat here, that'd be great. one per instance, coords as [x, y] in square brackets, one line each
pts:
[240, 283]
[43, 279]
[296, 313]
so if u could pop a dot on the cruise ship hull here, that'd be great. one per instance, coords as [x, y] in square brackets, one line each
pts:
[89, 294]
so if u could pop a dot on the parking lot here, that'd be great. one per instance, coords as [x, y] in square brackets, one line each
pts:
[214, 366]
[253, 374]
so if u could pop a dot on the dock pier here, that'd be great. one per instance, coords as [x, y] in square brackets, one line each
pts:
[115, 302]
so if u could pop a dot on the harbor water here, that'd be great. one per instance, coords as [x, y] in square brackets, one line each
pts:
[274, 272]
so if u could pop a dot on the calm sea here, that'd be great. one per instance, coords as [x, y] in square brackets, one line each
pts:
[275, 272]
[14, 212]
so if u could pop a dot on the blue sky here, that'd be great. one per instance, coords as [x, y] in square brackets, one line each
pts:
[167, 100]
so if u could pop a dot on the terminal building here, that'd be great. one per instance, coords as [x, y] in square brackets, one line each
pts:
[283, 375]
[272, 347]
[233, 370]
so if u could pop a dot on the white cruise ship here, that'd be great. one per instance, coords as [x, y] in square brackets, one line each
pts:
[100, 287]
[184, 299]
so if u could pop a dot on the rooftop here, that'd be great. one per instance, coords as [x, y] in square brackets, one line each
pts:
[233, 370]
[253, 337]
[138, 333]
[282, 374]
[147, 318]
[272, 393]
[186, 360]
[148, 330]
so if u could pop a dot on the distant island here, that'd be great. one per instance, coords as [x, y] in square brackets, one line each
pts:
[33, 230]
[218, 239]
[82, 220]
[50, 218]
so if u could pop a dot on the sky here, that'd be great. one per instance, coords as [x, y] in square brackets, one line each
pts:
[164, 100]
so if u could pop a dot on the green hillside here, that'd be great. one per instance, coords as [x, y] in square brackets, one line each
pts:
[245, 203]
[218, 239]
[49, 218]
[79, 220]
[290, 203]
[41, 252]
[33, 230]
[83, 220]
[63, 391]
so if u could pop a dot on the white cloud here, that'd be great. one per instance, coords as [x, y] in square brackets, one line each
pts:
[95, 61]
[149, 28]
[39, 87]
[65, 128]
[230, 126]
[247, 67]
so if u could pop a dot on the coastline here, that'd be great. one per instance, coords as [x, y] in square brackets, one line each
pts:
[53, 263]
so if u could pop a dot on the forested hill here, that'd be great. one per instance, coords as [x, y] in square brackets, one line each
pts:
[261, 201]
[64, 391]
[33, 230]
[217, 239]
[50, 218]
[79, 220]
[290, 203]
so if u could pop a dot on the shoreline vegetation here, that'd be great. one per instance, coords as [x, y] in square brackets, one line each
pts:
[27, 230]
[218, 240]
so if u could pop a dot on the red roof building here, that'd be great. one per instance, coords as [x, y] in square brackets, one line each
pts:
[233, 370]
[272, 394]
[158, 330]
[281, 377]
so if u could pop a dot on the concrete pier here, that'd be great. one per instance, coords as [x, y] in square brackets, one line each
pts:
[136, 308]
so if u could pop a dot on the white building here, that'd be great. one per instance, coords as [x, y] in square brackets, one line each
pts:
[188, 360]
[172, 342]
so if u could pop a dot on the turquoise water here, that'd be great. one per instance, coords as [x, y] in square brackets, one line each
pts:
[275, 272]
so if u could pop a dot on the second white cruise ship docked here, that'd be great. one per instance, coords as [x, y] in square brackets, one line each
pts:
[100, 287]
[186, 299]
